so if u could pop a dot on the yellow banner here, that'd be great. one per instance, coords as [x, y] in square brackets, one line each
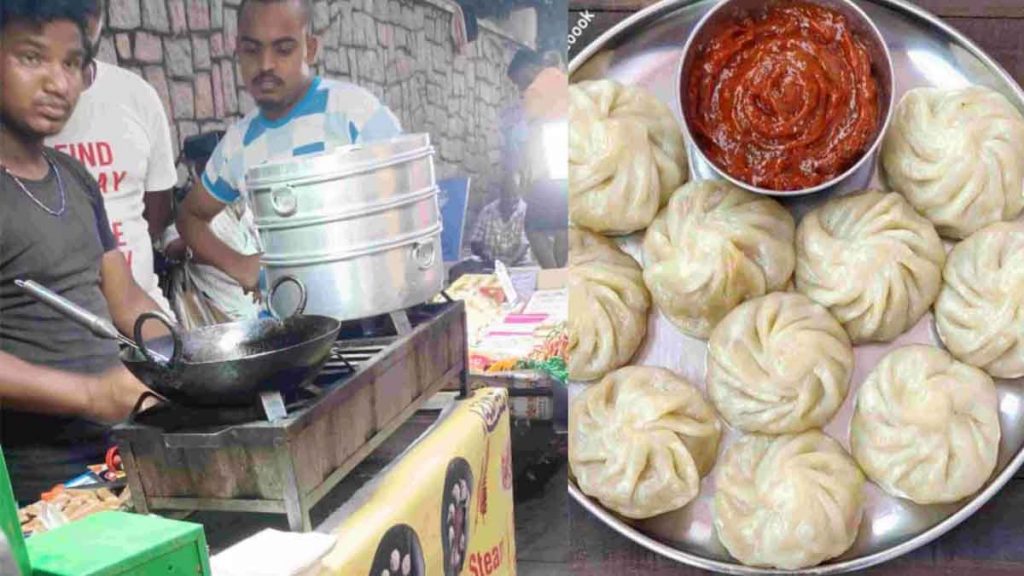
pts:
[445, 508]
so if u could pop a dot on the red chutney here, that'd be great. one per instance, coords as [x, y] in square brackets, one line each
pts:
[784, 99]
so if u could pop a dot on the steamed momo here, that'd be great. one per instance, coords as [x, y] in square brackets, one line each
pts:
[980, 310]
[640, 441]
[779, 364]
[873, 261]
[608, 305]
[958, 157]
[787, 501]
[626, 156]
[712, 247]
[926, 427]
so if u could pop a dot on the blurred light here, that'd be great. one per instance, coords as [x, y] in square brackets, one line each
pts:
[936, 70]
[1010, 406]
[555, 140]
[888, 524]
[231, 341]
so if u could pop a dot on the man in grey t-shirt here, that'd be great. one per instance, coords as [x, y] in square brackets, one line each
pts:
[59, 384]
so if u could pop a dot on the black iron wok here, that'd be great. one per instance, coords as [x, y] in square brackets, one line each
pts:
[225, 364]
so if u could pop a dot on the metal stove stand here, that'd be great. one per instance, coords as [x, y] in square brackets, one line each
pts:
[287, 465]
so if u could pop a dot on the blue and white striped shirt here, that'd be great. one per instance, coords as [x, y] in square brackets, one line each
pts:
[330, 114]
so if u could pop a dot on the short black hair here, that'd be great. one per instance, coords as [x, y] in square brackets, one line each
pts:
[307, 9]
[524, 57]
[39, 12]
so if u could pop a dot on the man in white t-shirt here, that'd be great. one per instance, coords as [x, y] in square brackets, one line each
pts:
[119, 131]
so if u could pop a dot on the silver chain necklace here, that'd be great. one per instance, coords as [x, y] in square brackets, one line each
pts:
[60, 187]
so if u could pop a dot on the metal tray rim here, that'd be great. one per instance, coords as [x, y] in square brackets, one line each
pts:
[929, 535]
[661, 8]
[926, 537]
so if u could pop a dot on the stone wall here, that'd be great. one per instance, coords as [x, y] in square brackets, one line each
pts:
[401, 50]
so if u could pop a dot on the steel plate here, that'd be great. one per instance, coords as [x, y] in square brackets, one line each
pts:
[645, 50]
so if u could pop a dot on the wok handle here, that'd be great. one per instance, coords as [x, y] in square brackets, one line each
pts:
[175, 335]
[302, 296]
[138, 405]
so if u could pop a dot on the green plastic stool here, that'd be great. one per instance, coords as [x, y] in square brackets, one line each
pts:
[118, 543]
[14, 543]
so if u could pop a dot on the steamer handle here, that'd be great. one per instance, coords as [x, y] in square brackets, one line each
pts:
[283, 200]
[424, 253]
[302, 296]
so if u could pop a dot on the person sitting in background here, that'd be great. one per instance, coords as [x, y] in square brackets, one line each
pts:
[499, 233]
[60, 385]
[297, 113]
[541, 144]
[119, 131]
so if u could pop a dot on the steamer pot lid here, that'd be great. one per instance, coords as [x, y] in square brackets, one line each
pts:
[336, 159]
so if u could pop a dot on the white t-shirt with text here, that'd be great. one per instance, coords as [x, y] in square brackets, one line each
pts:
[119, 131]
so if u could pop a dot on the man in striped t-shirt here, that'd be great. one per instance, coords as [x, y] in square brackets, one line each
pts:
[297, 113]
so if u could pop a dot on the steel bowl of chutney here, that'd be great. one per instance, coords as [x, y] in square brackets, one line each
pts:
[786, 97]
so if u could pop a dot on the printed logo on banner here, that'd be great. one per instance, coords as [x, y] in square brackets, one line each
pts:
[506, 467]
[489, 405]
[455, 504]
[399, 552]
[489, 562]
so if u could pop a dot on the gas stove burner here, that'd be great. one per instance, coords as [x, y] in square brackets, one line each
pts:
[337, 363]
[348, 355]
[173, 417]
[220, 444]
[383, 326]
[345, 359]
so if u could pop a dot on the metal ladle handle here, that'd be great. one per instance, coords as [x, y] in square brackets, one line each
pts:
[98, 326]
[302, 296]
[153, 357]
